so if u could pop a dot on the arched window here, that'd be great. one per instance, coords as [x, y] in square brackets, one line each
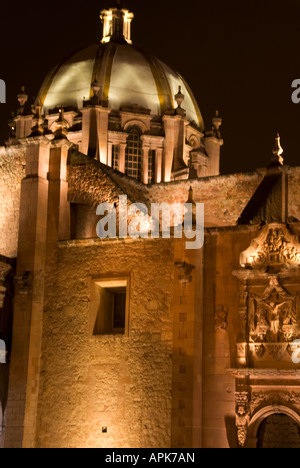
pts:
[133, 155]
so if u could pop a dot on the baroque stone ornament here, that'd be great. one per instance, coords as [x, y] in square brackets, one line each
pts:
[275, 247]
[184, 272]
[272, 317]
[277, 351]
[260, 351]
[242, 416]
[221, 318]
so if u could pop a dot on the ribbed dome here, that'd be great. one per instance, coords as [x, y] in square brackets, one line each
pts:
[127, 76]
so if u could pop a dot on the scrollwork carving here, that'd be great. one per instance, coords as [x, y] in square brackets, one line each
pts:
[276, 246]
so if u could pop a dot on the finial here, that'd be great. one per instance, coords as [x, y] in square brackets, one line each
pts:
[217, 121]
[96, 89]
[95, 86]
[193, 203]
[277, 152]
[191, 196]
[37, 129]
[179, 97]
[22, 97]
[61, 126]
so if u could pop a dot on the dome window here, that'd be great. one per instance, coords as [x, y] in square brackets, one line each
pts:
[133, 155]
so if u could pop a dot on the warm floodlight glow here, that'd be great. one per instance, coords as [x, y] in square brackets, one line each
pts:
[110, 18]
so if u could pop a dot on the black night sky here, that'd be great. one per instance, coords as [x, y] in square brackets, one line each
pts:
[238, 56]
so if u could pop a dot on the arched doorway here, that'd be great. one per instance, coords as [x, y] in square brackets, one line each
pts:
[278, 431]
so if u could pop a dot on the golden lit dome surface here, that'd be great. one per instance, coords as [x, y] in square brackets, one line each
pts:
[127, 76]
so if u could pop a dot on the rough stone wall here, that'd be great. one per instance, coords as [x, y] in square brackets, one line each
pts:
[89, 185]
[224, 197]
[91, 382]
[12, 163]
[293, 195]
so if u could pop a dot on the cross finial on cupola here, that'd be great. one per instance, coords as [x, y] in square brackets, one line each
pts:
[277, 158]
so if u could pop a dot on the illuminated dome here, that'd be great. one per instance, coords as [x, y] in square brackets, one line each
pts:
[126, 75]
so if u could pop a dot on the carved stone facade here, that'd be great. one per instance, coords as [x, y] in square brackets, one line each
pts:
[270, 325]
[276, 246]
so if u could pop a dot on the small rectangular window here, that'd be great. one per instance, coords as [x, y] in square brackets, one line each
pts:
[110, 306]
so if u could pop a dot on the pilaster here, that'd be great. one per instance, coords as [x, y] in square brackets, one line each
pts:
[29, 298]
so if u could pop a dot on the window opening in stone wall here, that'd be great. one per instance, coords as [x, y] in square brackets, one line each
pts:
[110, 307]
[133, 154]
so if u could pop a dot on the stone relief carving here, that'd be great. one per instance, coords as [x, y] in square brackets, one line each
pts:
[266, 398]
[260, 351]
[273, 317]
[250, 403]
[221, 318]
[269, 309]
[242, 416]
[274, 247]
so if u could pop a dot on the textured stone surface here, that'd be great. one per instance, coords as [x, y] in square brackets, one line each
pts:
[120, 383]
[12, 161]
[164, 385]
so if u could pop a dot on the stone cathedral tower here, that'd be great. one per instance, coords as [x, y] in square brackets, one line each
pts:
[140, 342]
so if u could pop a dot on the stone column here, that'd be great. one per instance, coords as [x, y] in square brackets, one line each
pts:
[86, 122]
[213, 148]
[187, 347]
[158, 165]
[122, 157]
[29, 298]
[59, 217]
[102, 132]
[169, 124]
[144, 175]
[23, 126]
[109, 153]
[174, 144]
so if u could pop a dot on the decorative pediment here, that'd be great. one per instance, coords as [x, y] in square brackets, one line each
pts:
[275, 247]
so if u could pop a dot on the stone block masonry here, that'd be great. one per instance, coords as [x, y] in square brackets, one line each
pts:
[12, 171]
